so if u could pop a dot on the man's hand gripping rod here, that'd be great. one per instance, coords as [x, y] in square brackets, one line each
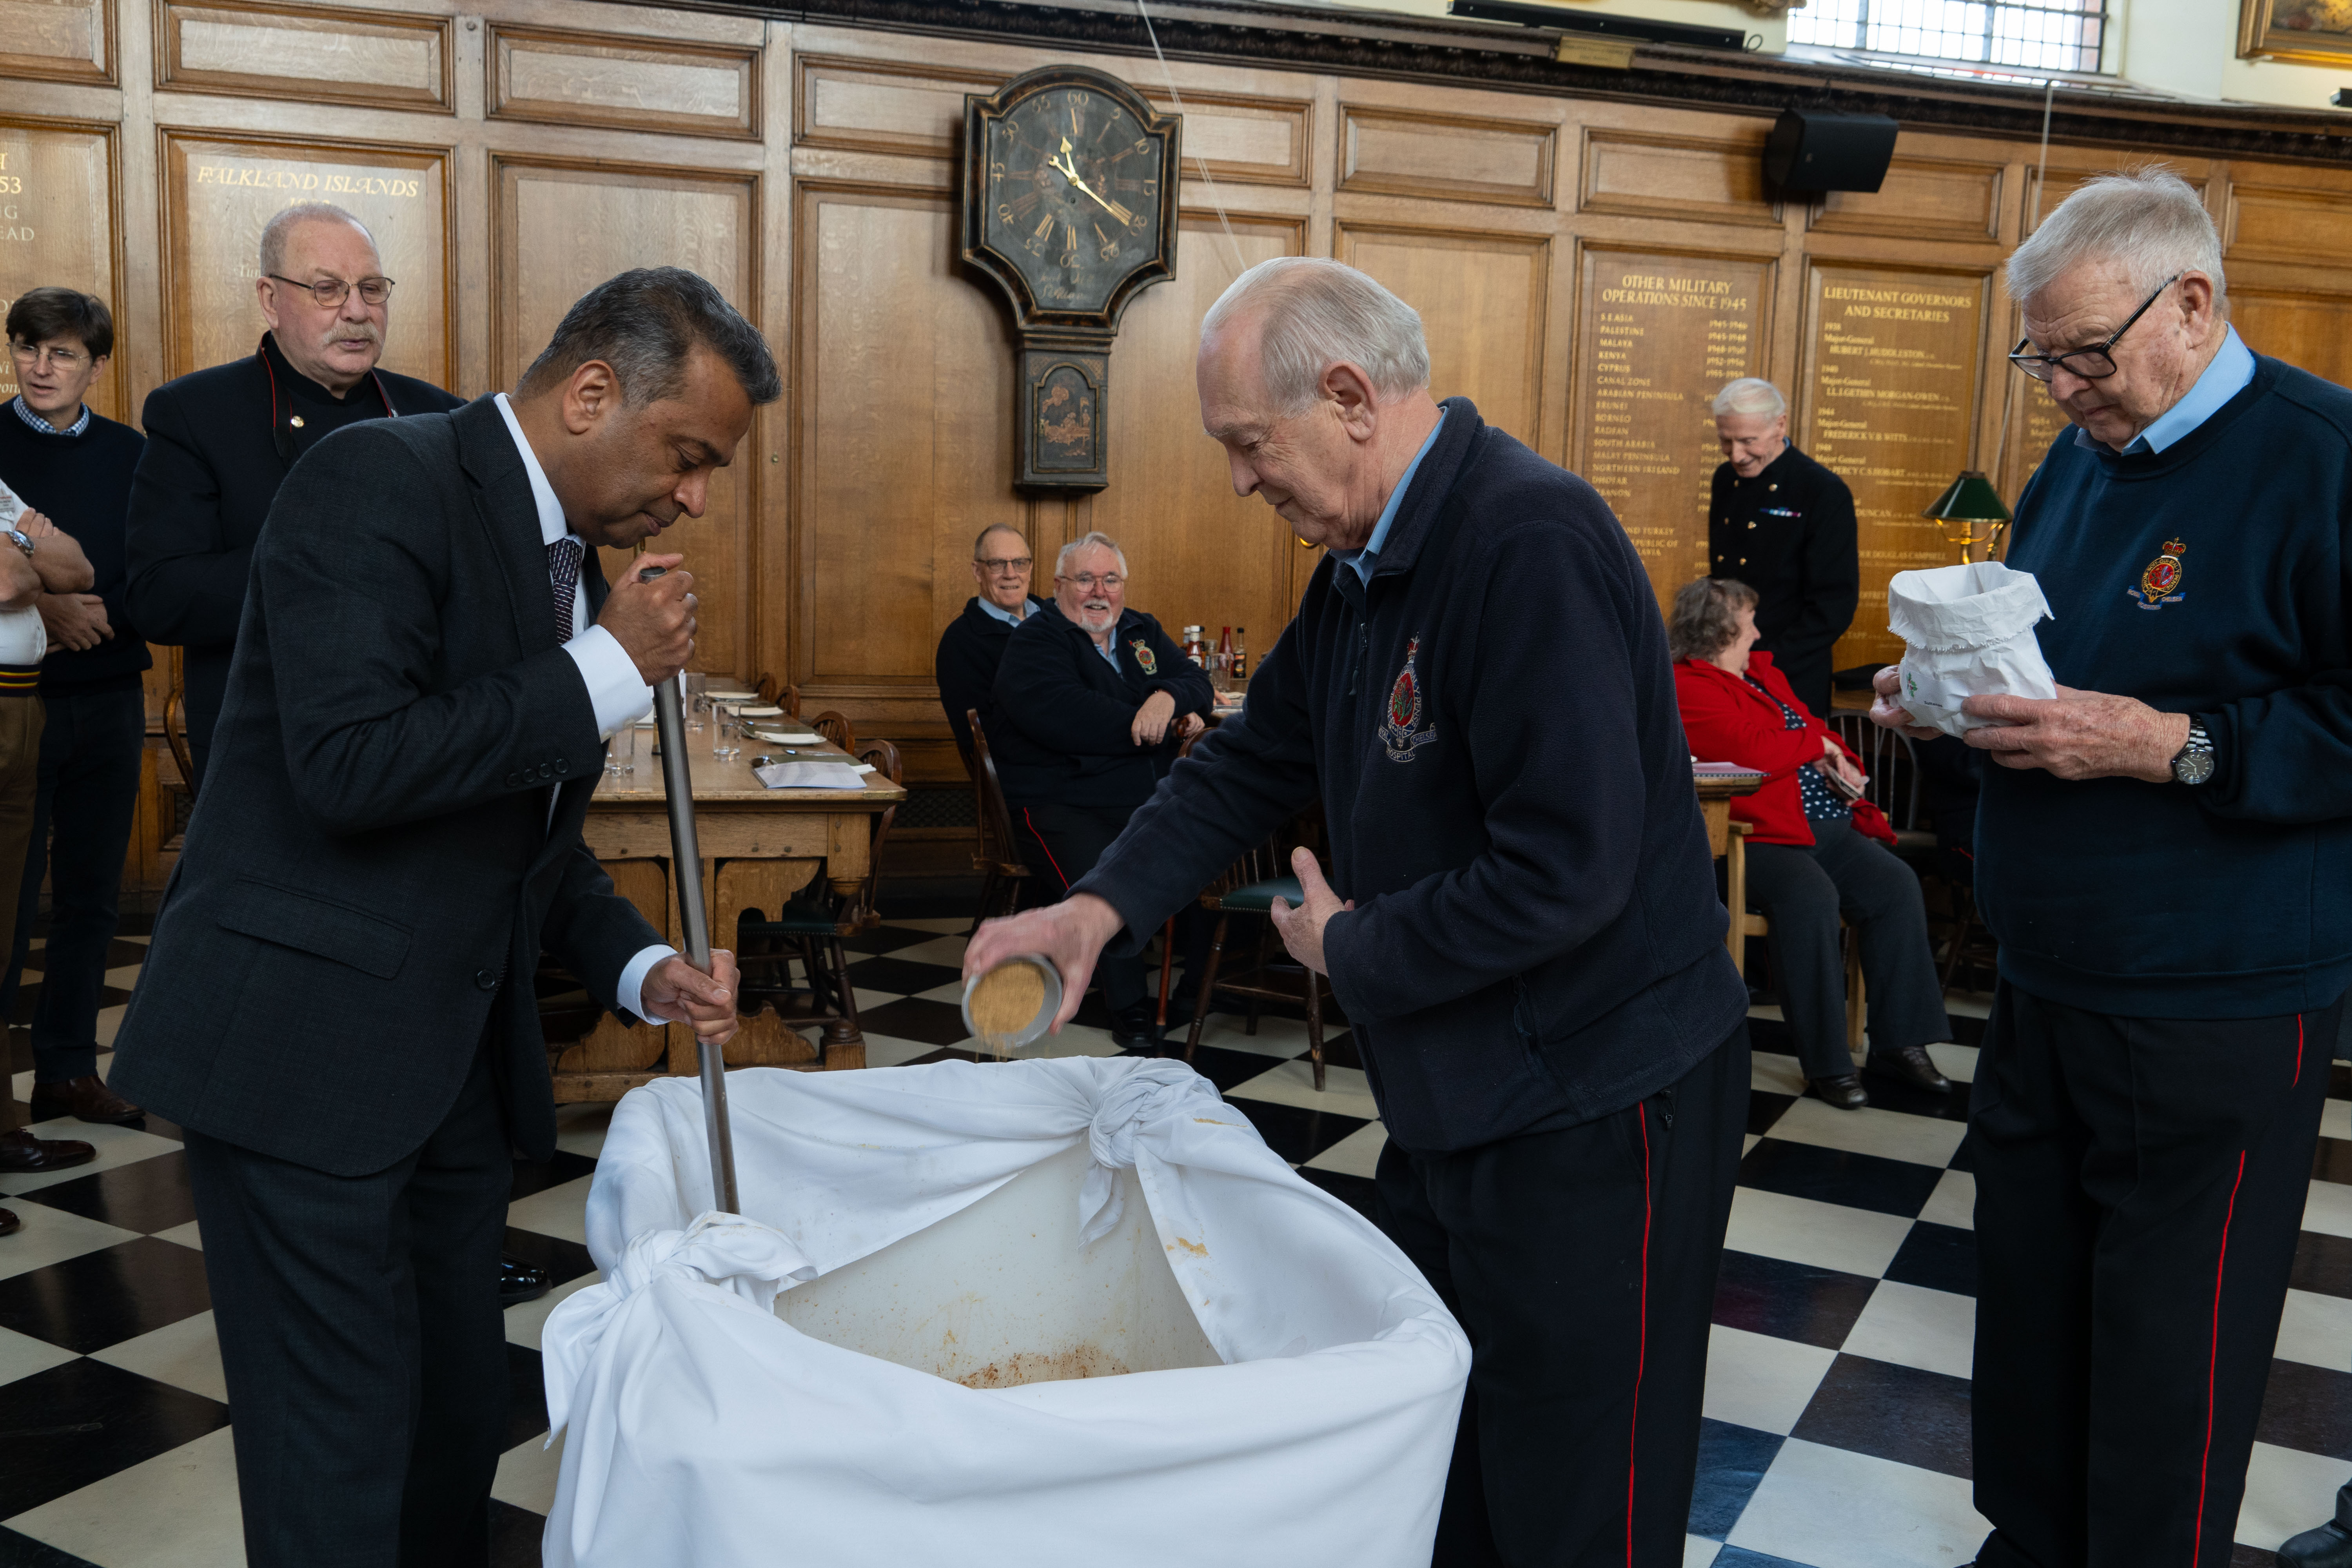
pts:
[686, 865]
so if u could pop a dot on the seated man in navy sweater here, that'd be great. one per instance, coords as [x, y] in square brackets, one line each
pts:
[2164, 852]
[1092, 701]
[75, 465]
[973, 645]
[1530, 953]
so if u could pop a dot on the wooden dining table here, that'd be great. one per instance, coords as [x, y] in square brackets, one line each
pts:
[759, 847]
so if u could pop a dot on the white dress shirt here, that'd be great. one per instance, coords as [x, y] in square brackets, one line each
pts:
[615, 691]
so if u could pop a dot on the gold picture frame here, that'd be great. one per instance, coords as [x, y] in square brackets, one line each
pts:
[2314, 32]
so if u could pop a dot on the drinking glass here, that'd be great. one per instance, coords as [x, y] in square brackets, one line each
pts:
[698, 701]
[726, 732]
[621, 756]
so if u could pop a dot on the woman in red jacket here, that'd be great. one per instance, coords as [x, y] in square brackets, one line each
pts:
[1815, 853]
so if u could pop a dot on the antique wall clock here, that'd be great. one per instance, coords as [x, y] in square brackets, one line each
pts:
[1069, 204]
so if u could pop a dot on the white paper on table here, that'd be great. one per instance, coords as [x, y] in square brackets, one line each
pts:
[1967, 631]
[788, 737]
[811, 775]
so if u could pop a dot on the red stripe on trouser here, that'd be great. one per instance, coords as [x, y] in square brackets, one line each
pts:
[2298, 1050]
[2213, 1360]
[1045, 847]
[1641, 1356]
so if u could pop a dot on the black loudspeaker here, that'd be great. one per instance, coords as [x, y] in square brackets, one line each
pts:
[1810, 150]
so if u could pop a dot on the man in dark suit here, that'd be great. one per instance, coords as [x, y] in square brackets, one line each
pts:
[973, 645]
[221, 441]
[1783, 524]
[338, 1006]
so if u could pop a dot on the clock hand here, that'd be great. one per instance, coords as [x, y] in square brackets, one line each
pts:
[1061, 165]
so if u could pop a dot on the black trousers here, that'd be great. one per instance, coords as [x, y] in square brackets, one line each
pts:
[2140, 1182]
[360, 1334]
[1581, 1263]
[89, 792]
[1803, 891]
[1062, 844]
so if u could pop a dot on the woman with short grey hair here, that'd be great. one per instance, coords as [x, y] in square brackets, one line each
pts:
[1815, 852]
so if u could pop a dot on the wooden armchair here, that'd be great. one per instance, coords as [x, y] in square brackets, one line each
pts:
[998, 861]
[1249, 887]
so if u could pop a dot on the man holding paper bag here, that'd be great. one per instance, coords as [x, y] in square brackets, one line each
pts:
[2165, 853]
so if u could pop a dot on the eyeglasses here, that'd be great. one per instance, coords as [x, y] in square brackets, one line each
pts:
[331, 293]
[1007, 566]
[1087, 582]
[35, 353]
[2094, 363]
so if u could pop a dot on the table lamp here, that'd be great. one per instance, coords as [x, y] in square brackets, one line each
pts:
[1970, 514]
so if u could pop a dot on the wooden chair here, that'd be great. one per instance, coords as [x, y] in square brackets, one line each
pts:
[1249, 887]
[1746, 922]
[834, 727]
[773, 694]
[998, 861]
[812, 926]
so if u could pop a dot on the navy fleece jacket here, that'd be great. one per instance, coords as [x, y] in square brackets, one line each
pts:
[2233, 899]
[1491, 726]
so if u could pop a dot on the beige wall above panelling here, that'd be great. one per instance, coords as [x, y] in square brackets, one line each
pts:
[326, 54]
[58, 40]
[560, 229]
[1444, 157]
[58, 225]
[628, 83]
[219, 191]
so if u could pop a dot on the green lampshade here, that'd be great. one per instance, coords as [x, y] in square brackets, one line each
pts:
[1970, 498]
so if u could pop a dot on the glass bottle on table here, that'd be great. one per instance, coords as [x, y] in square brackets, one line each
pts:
[1240, 671]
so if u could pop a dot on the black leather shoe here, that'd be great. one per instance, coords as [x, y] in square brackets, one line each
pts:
[519, 1281]
[2329, 1546]
[1846, 1093]
[9, 1223]
[85, 1099]
[1134, 1028]
[24, 1154]
[1910, 1065]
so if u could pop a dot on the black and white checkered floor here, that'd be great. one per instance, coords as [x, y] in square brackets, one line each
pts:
[1837, 1384]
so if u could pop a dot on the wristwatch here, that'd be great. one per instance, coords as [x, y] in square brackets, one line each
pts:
[2194, 764]
[19, 539]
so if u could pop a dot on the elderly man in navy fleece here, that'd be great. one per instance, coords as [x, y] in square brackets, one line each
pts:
[2165, 852]
[1520, 919]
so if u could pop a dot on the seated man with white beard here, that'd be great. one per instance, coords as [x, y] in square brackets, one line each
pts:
[1093, 701]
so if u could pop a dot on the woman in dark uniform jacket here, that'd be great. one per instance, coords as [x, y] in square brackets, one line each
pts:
[1812, 856]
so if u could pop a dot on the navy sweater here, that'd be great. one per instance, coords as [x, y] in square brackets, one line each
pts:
[82, 483]
[1062, 730]
[1491, 725]
[2233, 899]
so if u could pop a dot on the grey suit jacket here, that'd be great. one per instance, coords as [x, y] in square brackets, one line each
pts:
[371, 873]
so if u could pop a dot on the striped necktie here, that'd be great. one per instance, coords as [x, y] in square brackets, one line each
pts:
[563, 571]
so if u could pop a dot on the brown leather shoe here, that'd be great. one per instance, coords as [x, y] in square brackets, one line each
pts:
[9, 1223]
[85, 1099]
[23, 1154]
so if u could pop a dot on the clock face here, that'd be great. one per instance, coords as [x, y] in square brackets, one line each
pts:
[1073, 196]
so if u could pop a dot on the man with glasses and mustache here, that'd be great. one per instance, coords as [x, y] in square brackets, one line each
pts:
[2164, 851]
[1093, 701]
[973, 645]
[221, 441]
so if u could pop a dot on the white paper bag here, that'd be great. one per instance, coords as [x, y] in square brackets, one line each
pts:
[1224, 1364]
[1967, 632]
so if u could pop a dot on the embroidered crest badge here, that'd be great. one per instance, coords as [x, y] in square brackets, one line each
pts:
[1402, 734]
[2159, 583]
[1145, 659]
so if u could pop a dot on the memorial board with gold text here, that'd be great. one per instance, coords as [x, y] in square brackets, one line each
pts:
[1892, 378]
[57, 226]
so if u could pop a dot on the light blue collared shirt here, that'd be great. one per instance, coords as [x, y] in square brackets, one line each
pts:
[1109, 650]
[1028, 607]
[1365, 559]
[2221, 380]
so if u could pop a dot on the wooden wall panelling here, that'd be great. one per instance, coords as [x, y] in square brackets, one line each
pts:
[1446, 157]
[1710, 179]
[318, 54]
[1243, 141]
[2287, 219]
[60, 223]
[2070, 168]
[59, 40]
[901, 413]
[219, 191]
[1658, 333]
[1924, 200]
[1483, 300]
[560, 227]
[2311, 327]
[882, 106]
[622, 82]
[1888, 399]
[1196, 552]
